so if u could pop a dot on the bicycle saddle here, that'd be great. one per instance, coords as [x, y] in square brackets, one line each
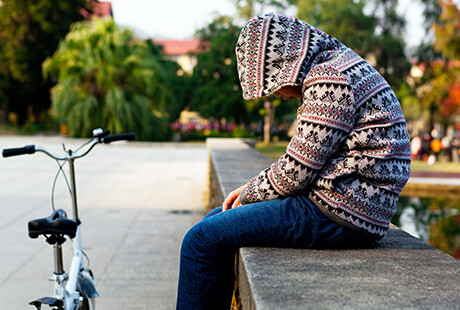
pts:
[56, 224]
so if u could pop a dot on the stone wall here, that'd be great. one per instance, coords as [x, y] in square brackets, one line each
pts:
[400, 272]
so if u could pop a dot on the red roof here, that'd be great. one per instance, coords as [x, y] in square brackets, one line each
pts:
[102, 9]
[99, 9]
[179, 47]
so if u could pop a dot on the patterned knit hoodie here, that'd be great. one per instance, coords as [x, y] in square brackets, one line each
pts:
[351, 152]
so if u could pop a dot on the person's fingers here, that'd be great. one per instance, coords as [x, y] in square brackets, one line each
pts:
[226, 205]
[233, 199]
[228, 202]
[236, 203]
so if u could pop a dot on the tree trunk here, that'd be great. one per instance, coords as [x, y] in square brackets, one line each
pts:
[269, 119]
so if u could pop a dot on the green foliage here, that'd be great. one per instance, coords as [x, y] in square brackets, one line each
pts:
[410, 103]
[284, 108]
[445, 231]
[178, 85]
[441, 76]
[436, 220]
[431, 12]
[343, 19]
[216, 91]
[107, 78]
[272, 150]
[238, 132]
[388, 43]
[215, 83]
[30, 32]
[249, 8]
[447, 31]
[435, 90]
[377, 35]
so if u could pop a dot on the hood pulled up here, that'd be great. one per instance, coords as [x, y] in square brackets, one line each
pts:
[274, 51]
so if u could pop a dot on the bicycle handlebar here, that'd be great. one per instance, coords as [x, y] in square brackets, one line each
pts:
[119, 137]
[101, 138]
[29, 149]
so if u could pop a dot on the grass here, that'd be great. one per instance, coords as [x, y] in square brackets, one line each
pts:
[272, 150]
[420, 165]
[275, 150]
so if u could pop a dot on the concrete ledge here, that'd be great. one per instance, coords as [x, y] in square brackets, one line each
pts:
[400, 272]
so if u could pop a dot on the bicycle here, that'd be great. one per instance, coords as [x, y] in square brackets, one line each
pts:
[75, 289]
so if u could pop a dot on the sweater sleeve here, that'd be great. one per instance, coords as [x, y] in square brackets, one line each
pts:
[324, 120]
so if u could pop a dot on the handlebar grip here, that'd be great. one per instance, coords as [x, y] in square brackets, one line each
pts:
[29, 149]
[123, 136]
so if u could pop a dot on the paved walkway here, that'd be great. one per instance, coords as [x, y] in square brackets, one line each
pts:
[136, 201]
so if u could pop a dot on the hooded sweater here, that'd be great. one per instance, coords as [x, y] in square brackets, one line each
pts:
[351, 152]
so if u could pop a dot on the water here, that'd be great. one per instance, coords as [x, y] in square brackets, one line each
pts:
[435, 220]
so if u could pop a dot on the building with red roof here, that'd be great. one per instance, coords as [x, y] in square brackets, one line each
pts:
[181, 51]
[98, 9]
[179, 47]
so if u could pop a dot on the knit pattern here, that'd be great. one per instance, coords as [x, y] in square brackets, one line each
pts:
[351, 153]
[274, 51]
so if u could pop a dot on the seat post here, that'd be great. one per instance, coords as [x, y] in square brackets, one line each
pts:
[58, 259]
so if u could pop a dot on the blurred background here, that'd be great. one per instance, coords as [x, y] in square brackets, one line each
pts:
[167, 71]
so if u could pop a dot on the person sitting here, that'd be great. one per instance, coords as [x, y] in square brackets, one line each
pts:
[339, 181]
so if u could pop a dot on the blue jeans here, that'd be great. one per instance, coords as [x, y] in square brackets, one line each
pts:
[208, 250]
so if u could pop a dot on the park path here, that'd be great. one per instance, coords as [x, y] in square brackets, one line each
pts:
[136, 201]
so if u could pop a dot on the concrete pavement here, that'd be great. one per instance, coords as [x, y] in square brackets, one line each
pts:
[136, 202]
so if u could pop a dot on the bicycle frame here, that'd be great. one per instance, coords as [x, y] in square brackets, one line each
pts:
[65, 286]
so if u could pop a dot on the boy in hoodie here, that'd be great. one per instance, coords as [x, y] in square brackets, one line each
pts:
[338, 183]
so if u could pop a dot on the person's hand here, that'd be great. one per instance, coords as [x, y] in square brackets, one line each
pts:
[233, 199]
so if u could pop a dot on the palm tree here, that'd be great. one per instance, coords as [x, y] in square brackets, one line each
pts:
[108, 78]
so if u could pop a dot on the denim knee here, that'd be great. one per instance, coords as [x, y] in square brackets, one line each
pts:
[213, 212]
[189, 241]
[194, 244]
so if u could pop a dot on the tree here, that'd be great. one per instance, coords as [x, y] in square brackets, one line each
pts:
[249, 8]
[108, 78]
[447, 30]
[425, 51]
[376, 35]
[215, 79]
[440, 92]
[447, 42]
[176, 80]
[343, 19]
[389, 43]
[30, 32]
[426, 56]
